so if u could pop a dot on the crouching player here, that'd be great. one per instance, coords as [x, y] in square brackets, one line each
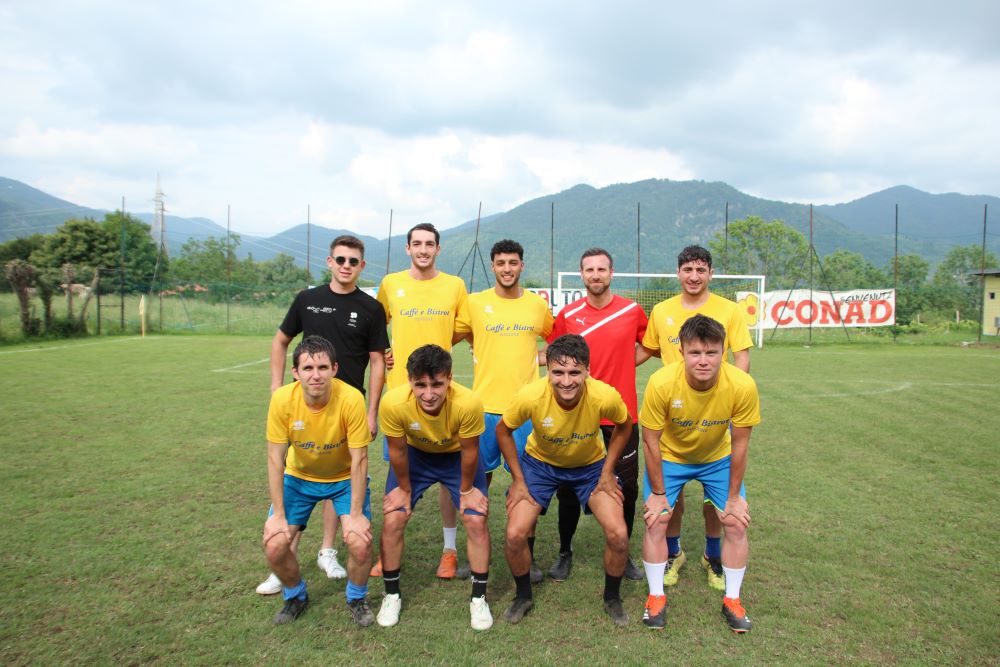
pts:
[687, 410]
[321, 424]
[433, 426]
[565, 448]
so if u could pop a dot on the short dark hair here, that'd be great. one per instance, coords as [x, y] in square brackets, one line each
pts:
[569, 346]
[429, 360]
[694, 253]
[506, 246]
[349, 241]
[703, 328]
[595, 252]
[313, 345]
[424, 227]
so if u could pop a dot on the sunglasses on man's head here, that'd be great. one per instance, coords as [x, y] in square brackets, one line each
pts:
[340, 259]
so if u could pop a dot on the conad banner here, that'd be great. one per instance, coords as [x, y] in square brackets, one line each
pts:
[801, 308]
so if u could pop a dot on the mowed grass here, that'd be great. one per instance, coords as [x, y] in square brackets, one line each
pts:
[133, 489]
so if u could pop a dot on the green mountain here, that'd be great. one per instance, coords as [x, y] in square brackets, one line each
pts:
[642, 224]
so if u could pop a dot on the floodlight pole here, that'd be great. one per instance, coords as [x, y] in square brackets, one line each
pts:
[982, 281]
[229, 267]
[812, 250]
[638, 244]
[121, 269]
[895, 269]
[552, 253]
[308, 243]
[388, 244]
[725, 247]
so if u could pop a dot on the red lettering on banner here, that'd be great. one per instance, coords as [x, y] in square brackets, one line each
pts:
[812, 312]
[776, 311]
[854, 313]
[829, 312]
[875, 318]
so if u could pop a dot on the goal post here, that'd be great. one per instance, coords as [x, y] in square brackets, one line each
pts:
[649, 289]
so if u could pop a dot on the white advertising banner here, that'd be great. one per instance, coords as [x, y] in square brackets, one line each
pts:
[801, 308]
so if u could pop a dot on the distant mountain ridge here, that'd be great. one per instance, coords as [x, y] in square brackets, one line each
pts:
[667, 214]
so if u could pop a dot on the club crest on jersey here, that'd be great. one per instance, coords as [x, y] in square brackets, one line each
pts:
[547, 422]
[400, 292]
[670, 321]
[677, 403]
[414, 426]
[353, 321]
[488, 309]
[298, 425]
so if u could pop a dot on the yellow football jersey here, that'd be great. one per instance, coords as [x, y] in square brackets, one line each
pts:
[663, 330]
[566, 438]
[318, 441]
[461, 416]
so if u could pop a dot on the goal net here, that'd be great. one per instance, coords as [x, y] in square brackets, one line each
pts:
[648, 289]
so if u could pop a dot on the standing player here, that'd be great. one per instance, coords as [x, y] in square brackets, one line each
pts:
[565, 450]
[505, 323]
[612, 326]
[423, 305]
[354, 323]
[433, 427]
[694, 271]
[687, 412]
[317, 450]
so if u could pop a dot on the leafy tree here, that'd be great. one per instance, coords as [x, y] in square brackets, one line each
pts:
[850, 270]
[759, 247]
[139, 248]
[281, 271]
[912, 293]
[20, 248]
[206, 262]
[85, 244]
[20, 274]
[959, 263]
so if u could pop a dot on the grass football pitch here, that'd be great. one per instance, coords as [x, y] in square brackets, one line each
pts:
[133, 492]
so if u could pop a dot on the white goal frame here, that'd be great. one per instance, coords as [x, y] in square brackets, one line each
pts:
[759, 279]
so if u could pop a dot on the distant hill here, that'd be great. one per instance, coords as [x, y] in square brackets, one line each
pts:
[672, 214]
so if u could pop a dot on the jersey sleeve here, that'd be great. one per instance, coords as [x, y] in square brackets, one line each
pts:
[641, 324]
[746, 408]
[472, 422]
[738, 332]
[291, 326]
[558, 327]
[653, 414]
[277, 418]
[356, 421]
[390, 420]
[382, 296]
[519, 410]
[650, 339]
[463, 322]
[613, 407]
[378, 339]
[548, 322]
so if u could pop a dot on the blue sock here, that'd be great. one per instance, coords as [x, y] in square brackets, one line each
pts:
[297, 591]
[355, 592]
[713, 547]
[673, 546]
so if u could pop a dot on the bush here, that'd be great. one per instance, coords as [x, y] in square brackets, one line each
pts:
[66, 327]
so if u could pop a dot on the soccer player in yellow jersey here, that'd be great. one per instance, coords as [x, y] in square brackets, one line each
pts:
[505, 323]
[317, 435]
[433, 426]
[694, 271]
[687, 412]
[423, 306]
[565, 448]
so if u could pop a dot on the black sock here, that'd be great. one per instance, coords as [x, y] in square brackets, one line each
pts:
[569, 517]
[523, 583]
[479, 583]
[612, 587]
[391, 580]
[531, 547]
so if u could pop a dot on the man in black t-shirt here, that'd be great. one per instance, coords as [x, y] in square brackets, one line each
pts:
[354, 322]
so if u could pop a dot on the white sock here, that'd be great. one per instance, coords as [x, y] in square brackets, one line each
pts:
[734, 579]
[449, 537]
[654, 576]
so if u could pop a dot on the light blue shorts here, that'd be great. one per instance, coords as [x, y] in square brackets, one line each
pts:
[714, 477]
[301, 496]
[489, 448]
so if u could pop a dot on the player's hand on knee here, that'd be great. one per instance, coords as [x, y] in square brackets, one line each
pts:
[518, 492]
[736, 512]
[474, 500]
[356, 528]
[656, 509]
[609, 484]
[274, 526]
[395, 500]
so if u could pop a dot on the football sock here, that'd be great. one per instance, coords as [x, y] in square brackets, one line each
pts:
[734, 579]
[296, 591]
[391, 580]
[523, 583]
[531, 546]
[449, 537]
[673, 546]
[612, 587]
[713, 547]
[355, 591]
[479, 584]
[654, 576]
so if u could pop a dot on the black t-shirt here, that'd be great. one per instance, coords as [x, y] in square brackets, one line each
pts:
[354, 323]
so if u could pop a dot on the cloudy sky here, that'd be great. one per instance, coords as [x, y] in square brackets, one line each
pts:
[429, 108]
